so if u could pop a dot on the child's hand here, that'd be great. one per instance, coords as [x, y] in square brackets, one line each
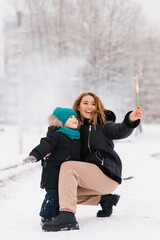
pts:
[45, 157]
[137, 114]
[30, 159]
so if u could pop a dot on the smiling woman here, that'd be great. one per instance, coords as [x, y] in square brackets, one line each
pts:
[92, 180]
[87, 107]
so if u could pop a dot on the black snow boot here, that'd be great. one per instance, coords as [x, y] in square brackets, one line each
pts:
[107, 202]
[63, 222]
[43, 220]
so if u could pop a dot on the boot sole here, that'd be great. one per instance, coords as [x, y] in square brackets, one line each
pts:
[65, 227]
[114, 202]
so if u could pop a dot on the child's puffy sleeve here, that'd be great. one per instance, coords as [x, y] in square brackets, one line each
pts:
[46, 145]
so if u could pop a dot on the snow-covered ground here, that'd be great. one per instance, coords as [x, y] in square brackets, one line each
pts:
[137, 215]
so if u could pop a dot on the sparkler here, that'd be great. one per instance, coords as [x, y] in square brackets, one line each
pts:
[137, 88]
[137, 91]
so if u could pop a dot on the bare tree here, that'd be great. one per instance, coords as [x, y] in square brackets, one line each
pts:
[110, 35]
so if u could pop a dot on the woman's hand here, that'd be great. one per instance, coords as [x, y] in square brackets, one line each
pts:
[137, 114]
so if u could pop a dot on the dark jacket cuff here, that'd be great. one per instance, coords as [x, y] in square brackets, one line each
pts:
[129, 123]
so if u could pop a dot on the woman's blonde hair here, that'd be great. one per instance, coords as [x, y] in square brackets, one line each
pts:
[99, 111]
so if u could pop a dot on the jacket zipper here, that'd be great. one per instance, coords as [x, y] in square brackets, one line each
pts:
[98, 156]
[89, 136]
[89, 147]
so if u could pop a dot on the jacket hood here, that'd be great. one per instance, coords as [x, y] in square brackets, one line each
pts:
[110, 116]
[54, 121]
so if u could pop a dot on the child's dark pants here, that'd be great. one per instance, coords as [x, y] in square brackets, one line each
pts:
[50, 205]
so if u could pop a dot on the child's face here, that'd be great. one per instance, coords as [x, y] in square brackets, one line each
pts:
[72, 122]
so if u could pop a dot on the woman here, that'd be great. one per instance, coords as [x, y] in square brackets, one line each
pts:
[90, 182]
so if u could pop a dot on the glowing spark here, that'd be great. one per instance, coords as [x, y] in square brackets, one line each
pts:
[137, 77]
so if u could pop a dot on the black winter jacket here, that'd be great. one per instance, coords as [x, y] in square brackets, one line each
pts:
[98, 146]
[62, 148]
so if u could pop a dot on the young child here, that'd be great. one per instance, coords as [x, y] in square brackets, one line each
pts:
[64, 145]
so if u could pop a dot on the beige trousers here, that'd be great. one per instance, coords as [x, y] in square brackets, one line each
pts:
[82, 183]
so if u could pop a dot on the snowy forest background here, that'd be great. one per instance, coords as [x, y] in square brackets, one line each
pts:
[52, 50]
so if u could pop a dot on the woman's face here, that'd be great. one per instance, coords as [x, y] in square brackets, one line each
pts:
[87, 107]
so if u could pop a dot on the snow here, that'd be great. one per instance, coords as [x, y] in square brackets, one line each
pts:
[137, 215]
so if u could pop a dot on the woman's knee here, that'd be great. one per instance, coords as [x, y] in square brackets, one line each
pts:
[67, 165]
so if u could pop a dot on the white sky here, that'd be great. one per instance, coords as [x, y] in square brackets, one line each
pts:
[6, 8]
[152, 9]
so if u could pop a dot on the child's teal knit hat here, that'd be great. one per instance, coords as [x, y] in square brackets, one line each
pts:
[64, 113]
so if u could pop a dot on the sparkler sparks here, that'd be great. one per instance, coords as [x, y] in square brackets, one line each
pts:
[137, 77]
